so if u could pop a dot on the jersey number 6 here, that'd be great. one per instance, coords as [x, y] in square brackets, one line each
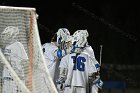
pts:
[79, 63]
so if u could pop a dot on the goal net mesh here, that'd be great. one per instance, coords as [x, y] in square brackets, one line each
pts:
[35, 77]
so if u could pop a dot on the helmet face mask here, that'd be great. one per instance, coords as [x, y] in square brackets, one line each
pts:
[5, 37]
[68, 44]
[63, 36]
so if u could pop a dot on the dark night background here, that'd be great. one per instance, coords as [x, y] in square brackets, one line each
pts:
[111, 23]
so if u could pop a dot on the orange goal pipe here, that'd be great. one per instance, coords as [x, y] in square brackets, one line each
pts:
[30, 74]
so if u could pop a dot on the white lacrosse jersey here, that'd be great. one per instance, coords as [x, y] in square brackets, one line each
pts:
[49, 50]
[77, 70]
[14, 54]
[88, 49]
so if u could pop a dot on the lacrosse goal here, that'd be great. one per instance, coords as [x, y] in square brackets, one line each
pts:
[36, 75]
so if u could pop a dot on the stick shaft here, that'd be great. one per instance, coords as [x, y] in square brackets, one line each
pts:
[101, 46]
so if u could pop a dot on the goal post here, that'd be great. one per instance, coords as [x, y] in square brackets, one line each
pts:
[35, 77]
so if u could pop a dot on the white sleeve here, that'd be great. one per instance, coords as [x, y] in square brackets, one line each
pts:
[92, 68]
[89, 50]
[23, 52]
[64, 62]
[49, 51]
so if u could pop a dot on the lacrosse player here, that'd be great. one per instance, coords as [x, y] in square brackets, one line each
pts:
[95, 81]
[15, 54]
[76, 68]
[54, 51]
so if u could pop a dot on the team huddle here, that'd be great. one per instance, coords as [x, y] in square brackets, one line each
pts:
[69, 58]
[71, 63]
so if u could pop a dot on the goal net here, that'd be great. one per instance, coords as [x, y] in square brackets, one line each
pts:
[22, 64]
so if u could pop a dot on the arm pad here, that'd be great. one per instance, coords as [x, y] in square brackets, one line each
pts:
[60, 82]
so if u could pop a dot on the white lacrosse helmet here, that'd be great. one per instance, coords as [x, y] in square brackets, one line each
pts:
[9, 32]
[80, 38]
[63, 34]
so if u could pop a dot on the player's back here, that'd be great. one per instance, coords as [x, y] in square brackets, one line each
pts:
[14, 53]
[78, 68]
